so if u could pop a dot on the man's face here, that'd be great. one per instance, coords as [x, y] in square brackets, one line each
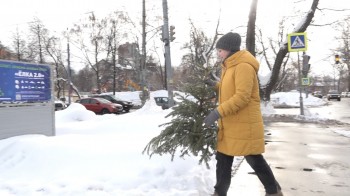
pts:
[222, 54]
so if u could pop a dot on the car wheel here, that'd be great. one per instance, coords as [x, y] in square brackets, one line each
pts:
[105, 111]
[339, 99]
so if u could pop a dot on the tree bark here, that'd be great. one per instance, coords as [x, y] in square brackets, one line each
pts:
[250, 39]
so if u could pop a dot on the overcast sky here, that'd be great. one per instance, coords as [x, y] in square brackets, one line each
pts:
[60, 15]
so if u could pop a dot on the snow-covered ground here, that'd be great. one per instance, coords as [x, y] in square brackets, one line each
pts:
[95, 155]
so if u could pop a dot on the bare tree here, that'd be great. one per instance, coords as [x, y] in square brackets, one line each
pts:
[19, 45]
[160, 71]
[98, 41]
[53, 49]
[115, 32]
[89, 37]
[37, 32]
[273, 46]
[83, 79]
[55, 53]
[200, 48]
[344, 49]
[283, 52]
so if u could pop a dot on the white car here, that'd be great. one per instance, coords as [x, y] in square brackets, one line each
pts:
[59, 105]
[343, 94]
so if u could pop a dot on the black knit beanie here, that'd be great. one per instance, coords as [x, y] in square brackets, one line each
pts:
[230, 42]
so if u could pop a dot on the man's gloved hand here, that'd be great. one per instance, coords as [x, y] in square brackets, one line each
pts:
[212, 117]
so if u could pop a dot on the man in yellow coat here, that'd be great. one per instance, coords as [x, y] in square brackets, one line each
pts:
[241, 128]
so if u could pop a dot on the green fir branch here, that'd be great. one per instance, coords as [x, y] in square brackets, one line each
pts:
[185, 134]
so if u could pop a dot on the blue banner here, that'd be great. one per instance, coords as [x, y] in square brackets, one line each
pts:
[24, 82]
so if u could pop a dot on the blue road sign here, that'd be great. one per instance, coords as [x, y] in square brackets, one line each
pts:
[297, 42]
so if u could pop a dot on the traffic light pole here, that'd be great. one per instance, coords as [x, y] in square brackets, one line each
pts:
[166, 40]
[305, 71]
[69, 75]
[143, 58]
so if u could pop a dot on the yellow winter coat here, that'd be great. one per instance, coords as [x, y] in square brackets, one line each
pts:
[241, 129]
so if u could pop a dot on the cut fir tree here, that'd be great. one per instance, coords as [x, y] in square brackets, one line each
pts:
[185, 134]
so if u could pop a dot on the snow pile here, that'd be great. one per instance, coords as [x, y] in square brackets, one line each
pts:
[101, 155]
[75, 112]
[292, 99]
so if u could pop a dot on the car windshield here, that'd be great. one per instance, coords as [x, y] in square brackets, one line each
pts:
[333, 91]
[103, 100]
[116, 98]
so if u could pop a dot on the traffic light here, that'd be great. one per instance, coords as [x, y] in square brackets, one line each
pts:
[306, 65]
[162, 33]
[172, 32]
[337, 59]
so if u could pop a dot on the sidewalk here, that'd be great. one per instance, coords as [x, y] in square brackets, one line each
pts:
[244, 183]
[307, 160]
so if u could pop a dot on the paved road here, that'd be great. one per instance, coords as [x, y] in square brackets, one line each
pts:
[309, 159]
[338, 110]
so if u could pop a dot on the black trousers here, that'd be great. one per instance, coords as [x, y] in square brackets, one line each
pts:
[258, 164]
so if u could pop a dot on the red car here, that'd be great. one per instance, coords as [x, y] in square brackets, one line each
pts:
[101, 106]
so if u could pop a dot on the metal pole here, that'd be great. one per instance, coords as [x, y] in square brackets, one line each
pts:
[300, 89]
[114, 48]
[69, 74]
[169, 74]
[143, 58]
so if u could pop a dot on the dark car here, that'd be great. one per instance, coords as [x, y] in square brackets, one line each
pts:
[333, 94]
[100, 105]
[127, 105]
[163, 102]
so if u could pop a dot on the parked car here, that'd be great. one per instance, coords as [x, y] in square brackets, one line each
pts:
[343, 94]
[59, 105]
[317, 94]
[100, 105]
[333, 94]
[127, 105]
[163, 102]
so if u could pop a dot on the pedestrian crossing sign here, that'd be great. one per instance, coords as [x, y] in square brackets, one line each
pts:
[297, 42]
[305, 81]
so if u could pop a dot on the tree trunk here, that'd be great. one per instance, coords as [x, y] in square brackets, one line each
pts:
[250, 39]
[348, 80]
[283, 52]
